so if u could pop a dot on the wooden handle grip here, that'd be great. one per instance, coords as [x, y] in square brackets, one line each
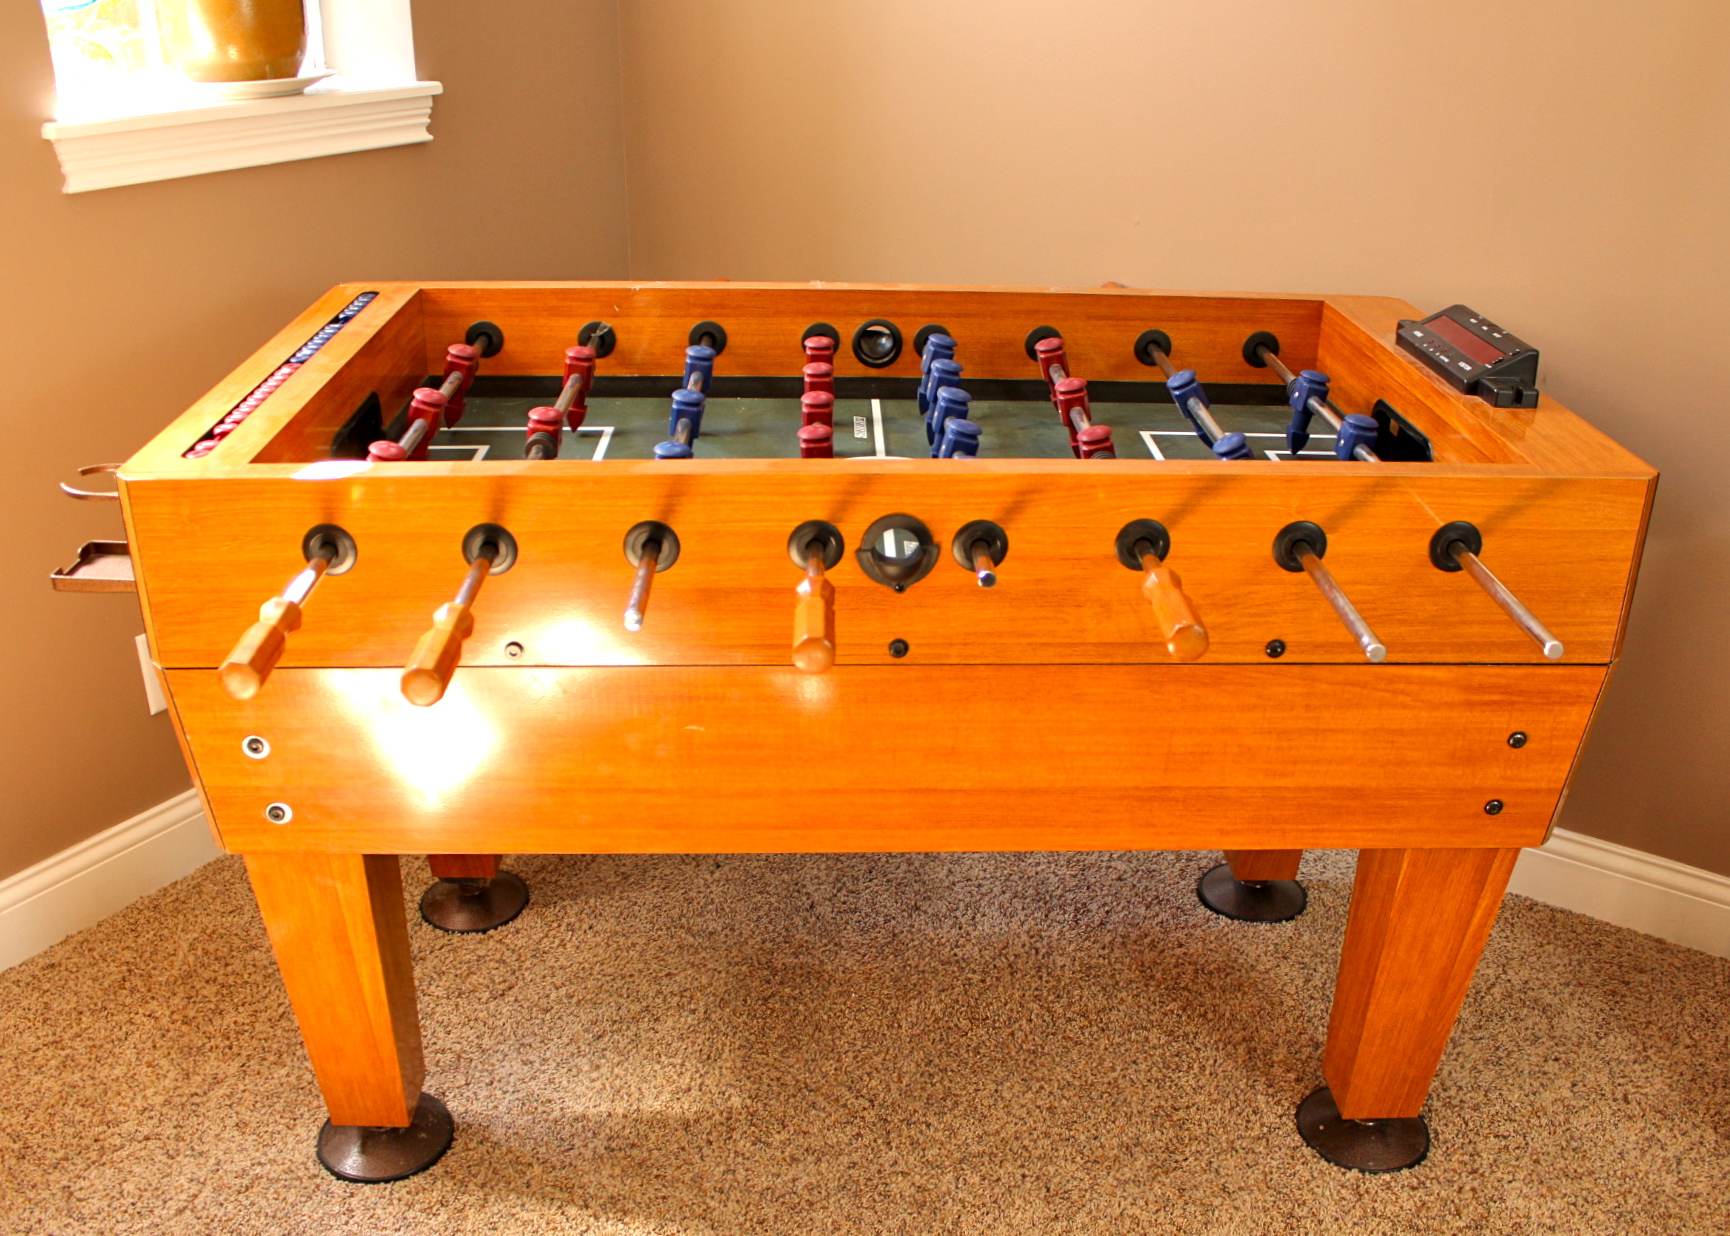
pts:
[258, 651]
[1185, 637]
[435, 658]
[814, 625]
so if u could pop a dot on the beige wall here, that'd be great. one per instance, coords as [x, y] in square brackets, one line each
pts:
[1570, 179]
[1563, 166]
[119, 307]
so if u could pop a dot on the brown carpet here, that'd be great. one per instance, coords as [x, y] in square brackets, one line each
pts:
[861, 1044]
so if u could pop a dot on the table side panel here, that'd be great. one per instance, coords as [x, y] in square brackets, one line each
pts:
[764, 326]
[892, 758]
[213, 550]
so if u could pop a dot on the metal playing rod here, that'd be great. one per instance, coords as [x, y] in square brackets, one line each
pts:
[638, 604]
[417, 430]
[1320, 407]
[1510, 604]
[301, 586]
[984, 569]
[1196, 408]
[1367, 639]
[477, 574]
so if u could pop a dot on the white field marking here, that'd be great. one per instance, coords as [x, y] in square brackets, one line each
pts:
[1152, 446]
[1279, 456]
[1254, 433]
[480, 452]
[877, 424]
[606, 432]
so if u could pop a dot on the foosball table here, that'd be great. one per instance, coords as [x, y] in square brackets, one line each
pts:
[1112, 561]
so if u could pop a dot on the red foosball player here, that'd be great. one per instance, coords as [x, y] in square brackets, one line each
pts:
[570, 409]
[432, 409]
[816, 441]
[426, 411]
[1074, 409]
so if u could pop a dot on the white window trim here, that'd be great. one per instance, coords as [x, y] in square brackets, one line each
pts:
[132, 150]
[374, 103]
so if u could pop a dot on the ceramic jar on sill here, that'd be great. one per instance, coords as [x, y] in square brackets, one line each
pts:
[233, 40]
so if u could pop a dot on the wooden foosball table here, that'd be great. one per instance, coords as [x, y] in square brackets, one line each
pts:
[1110, 561]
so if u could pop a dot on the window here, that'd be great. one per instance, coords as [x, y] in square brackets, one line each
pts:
[127, 110]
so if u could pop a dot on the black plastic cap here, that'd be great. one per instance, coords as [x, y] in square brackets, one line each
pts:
[1149, 340]
[1035, 335]
[714, 330]
[1149, 530]
[1261, 339]
[922, 336]
[1458, 532]
[487, 336]
[1291, 536]
[600, 336]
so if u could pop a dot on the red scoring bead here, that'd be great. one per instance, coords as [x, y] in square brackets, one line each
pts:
[819, 376]
[817, 408]
[816, 441]
[386, 452]
[1095, 442]
[820, 349]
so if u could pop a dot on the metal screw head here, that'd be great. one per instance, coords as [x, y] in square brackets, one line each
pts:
[279, 813]
[1493, 807]
[513, 650]
[1276, 648]
[1517, 739]
[254, 747]
[897, 647]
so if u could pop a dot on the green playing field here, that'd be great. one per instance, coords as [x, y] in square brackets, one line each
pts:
[733, 428]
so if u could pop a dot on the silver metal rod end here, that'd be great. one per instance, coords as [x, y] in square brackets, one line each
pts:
[988, 579]
[633, 620]
[1377, 653]
[1553, 649]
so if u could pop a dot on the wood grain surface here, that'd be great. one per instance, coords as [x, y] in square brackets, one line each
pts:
[1264, 864]
[1418, 924]
[892, 758]
[464, 866]
[214, 549]
[337, 927]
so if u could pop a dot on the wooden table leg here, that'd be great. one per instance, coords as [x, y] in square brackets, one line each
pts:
[472, 894]
[1256, 886]
[336, 925]
[463, 866]
[1261, 865]
[1418, 924]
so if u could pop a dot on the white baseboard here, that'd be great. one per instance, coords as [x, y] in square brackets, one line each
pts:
[78, 887]
[1629, 888]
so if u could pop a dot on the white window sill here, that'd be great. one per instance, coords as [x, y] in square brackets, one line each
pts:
[130, 150]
